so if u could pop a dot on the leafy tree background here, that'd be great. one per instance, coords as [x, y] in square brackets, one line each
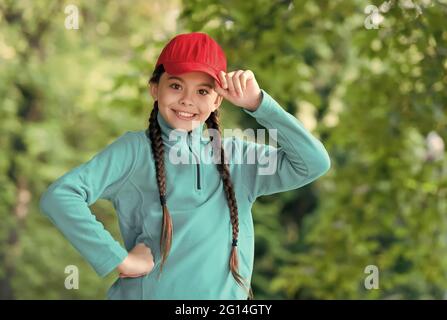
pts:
[376, 97]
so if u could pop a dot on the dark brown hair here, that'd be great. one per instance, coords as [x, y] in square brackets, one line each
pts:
[153, 132]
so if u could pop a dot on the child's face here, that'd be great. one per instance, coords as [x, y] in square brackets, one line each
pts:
[190, 92]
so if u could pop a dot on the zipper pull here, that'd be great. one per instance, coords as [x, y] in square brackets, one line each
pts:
[189, 139]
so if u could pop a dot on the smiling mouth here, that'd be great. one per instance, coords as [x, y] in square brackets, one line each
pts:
[184, 115]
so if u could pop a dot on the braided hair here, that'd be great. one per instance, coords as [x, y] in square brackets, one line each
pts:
[153, 132]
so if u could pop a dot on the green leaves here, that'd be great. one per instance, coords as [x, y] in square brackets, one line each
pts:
[375, 95]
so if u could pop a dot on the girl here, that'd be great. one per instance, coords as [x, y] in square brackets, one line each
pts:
[188, 222]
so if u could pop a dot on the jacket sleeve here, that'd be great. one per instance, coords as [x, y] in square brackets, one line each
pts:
[298, 159]
[66, 202]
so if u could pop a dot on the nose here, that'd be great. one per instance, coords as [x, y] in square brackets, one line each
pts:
[186, 99]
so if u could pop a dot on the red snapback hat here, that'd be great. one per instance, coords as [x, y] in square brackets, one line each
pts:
[195, 51]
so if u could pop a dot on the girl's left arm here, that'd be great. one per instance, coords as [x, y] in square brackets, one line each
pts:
[300, 158]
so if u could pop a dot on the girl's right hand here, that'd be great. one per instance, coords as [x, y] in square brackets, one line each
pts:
[138, 262]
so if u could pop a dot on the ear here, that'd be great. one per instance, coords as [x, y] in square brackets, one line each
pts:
[153, 90]
[217, 102]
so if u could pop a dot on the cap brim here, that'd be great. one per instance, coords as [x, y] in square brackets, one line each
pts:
[177, 68]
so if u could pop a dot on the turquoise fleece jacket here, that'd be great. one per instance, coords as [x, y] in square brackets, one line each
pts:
[198, 264]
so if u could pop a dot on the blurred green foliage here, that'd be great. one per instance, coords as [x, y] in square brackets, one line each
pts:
[376, 97]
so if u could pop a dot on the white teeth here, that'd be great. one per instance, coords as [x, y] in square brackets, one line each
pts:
[186, 114]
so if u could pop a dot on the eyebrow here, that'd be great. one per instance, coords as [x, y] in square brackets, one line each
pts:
[199, 85]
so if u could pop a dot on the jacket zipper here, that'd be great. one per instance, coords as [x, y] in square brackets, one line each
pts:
[198, 164]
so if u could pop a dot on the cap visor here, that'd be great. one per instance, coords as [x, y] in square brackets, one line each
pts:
[184, 67]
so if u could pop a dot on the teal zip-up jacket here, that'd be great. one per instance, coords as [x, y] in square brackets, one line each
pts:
[198, 264]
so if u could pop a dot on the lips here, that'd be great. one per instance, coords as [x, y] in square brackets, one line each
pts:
[185, 115]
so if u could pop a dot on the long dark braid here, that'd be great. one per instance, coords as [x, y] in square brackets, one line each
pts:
[222, 166]
[154, 133]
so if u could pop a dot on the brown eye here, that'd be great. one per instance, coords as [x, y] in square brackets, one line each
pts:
[203, 90]
[174, 84]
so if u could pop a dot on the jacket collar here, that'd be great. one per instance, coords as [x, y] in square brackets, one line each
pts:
[182, 138]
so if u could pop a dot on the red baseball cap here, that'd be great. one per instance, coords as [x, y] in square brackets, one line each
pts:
[195, 51]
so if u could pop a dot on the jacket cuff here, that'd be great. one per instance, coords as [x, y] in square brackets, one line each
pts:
[115, 260]
[264, 107]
